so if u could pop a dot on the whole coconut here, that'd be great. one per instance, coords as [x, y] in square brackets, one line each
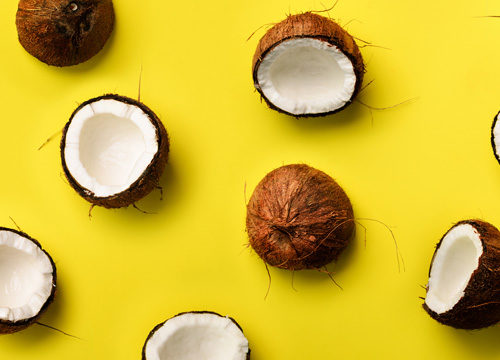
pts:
[299, 218]
[64, 32]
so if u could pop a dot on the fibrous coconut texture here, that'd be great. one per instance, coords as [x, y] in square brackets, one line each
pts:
[197, 335]
[464, 279]
[114, 150]
[64, 32]
[27, 280]
[495, 137]
[307, 65]
[299, 218]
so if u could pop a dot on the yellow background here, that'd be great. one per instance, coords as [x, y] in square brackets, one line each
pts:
[418, 167]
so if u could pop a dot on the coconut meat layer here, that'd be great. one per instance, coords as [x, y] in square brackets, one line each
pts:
[306, 76]
[454, 262]
[496, 136]
[108, 146]
[26, 276]
[194, 336]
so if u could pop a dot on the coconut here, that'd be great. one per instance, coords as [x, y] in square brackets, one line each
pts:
[495, 137]
[464, 278]
[197, 335]
[114, 150]
[299, 218]
[27, 280]
[64, 32]
[307, 65]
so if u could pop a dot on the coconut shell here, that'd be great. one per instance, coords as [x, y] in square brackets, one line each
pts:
[152, 332]
[149, 179]
[493, 144]
[299, 218]
[64, 32]
[9, 327]
[480, 305]
[309, 25]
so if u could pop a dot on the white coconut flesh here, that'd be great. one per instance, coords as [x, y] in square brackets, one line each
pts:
[26, 276]
[108, 146]
[306, 76]
[454, 262]
[194, 336]
[496, 137]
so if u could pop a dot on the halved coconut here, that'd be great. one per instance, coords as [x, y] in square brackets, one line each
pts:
[299, 218]
[197, 335]
[114, 150]
[495, 137]
[307, 65]
[64, 32]
[27, 280]
[464, 279]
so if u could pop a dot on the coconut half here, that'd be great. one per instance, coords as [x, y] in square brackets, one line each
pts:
[27, 280]
[464, 278]
[197, 335]
[114, 150]
[299, 218]
[307, 65]
[495, 137]
[64, 32]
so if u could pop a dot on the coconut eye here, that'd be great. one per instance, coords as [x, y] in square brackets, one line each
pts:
[73, 6]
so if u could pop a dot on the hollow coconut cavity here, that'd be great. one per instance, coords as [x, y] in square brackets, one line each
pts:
[27, 280]
[463, 290]
[114, 150]
[299, 218]
[197, 335]
[64, 32]
[495, 137]
[307, 65]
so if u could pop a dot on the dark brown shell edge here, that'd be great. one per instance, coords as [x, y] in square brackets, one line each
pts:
[51, 32]
[9, 327]
[309, 25]
[480, 305]
[148, 180]
[151, 333]
[492, 137]
[280, 240]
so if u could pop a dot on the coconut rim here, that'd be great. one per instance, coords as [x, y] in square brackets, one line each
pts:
[492, 137]
[155, 121]
[157, 327]
[21, 324]
[359, 75]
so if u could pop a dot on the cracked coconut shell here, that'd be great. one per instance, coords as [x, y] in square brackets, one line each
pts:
[147, 181]
[64, 32]
[10, 327]
[299, 218]
[480, 305]
[314, 26]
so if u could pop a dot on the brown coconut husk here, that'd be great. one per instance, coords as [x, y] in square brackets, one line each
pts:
[9, 327]
[149, 179]
[62, 32]
[155, 329]
[299, 218]
[480, 305]
[309, 25]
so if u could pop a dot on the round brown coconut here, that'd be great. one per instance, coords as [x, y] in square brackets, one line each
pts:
[64, 32]
[146, 182]
[311, 26]
[479, 306]
[9, 327]
[299, 218]
[196, 314]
